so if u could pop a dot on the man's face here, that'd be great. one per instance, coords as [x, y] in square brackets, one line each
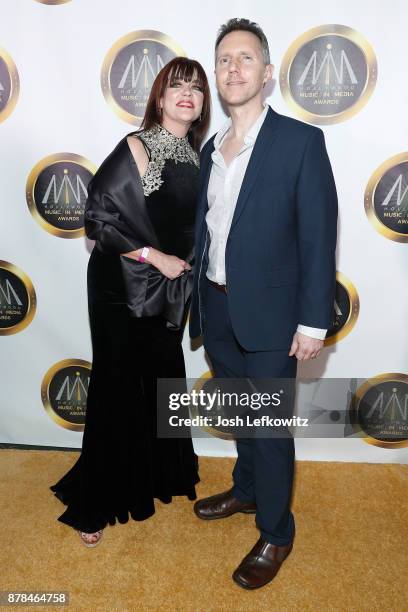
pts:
[239, 68]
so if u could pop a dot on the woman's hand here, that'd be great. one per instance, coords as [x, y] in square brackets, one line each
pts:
[169, 265]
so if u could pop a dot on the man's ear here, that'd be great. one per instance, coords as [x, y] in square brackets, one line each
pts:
[269, 68]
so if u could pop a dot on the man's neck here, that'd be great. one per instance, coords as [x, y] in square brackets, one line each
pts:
[244, 117]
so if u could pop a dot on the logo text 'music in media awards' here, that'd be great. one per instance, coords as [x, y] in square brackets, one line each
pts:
[57, 192]
[130, 68]
[328, 74]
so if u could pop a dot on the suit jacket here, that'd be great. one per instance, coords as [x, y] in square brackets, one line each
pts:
[116, 217]
[280, 252]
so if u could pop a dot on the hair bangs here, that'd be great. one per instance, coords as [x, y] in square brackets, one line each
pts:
[186, 70]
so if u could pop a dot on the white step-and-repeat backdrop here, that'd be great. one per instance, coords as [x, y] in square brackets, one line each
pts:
[74, 79]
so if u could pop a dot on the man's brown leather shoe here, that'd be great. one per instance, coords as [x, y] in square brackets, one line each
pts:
[261, 565]
[221, 506]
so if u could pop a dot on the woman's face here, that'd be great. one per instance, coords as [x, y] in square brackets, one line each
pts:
[182, 101]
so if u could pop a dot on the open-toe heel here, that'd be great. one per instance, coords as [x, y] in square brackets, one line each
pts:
[91, 539]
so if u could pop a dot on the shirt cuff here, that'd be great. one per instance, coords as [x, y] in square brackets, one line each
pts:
[313, 332]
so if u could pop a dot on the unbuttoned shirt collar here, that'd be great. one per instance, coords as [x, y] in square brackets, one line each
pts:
[249, 139]
[223, 190]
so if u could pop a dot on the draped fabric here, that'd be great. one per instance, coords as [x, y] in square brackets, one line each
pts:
[117, 218]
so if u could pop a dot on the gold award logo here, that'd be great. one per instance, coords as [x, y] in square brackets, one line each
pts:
[207, 383]
[346, 310]
[64, 392]
[380, 408]
[56, 193]
[9, 85]
[386, 198]
[130, 68]
[328, 74]
[18, 301]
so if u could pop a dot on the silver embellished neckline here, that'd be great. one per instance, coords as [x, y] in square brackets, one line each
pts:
[163, 145]
[160, 129]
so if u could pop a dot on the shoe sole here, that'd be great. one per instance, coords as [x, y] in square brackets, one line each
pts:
[220, 516]
[249, 588]
[91, 545]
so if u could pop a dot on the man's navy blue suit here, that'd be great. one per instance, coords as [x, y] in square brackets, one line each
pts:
[280, 272]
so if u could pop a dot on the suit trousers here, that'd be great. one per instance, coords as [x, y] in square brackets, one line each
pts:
[264, 469]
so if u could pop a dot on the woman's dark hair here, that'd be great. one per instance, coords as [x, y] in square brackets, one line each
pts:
[185, 69]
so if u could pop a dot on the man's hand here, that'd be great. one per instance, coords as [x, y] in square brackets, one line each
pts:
[304, 347]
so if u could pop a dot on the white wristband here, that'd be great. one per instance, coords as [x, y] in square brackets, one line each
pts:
[143, 254]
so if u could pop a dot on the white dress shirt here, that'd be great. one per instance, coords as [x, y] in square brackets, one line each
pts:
[223, 191]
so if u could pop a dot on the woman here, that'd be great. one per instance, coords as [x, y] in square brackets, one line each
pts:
[140, 211]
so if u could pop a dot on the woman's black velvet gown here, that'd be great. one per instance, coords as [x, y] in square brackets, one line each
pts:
[123, 465]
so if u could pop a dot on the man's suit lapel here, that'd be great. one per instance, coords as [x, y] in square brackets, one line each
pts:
[266, 136]
[202, 208]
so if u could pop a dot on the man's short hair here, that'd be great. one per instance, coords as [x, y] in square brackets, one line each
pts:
[244, 25]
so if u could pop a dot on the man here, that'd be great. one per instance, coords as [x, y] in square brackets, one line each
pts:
[264, 287]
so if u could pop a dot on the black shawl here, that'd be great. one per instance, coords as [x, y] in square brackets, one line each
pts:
[117, 219]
